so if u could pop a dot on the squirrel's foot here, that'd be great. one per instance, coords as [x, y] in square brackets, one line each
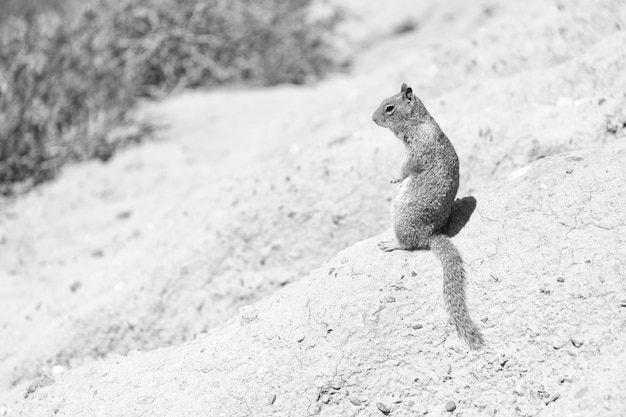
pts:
[395, 180]
[389, 245]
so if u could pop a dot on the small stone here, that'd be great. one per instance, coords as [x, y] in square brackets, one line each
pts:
[450, 406]
[413, 273]
[552, 398]
[383, 408]
[355, 401]
[484, 319]
[390, 299]
[124, 214]
[325, 398]
[98, 253]
[577, 341]
[44, 381]
[564, 379]
[417, 326]
[503, 360]
[581, 392]
[74, 286]
[271, 398]
[560, 279]
[58, 369]
[300, 338]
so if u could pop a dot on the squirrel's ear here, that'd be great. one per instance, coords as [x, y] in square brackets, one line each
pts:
[408, 93]
[403, 87]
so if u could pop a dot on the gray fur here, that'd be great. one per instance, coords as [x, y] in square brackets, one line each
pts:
[430, 180]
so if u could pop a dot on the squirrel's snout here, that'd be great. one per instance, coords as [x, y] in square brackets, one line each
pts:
[376, 118]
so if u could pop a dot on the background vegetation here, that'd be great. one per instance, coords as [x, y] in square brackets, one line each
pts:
[71, 71]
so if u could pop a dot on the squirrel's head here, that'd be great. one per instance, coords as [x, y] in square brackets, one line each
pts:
[399, 110]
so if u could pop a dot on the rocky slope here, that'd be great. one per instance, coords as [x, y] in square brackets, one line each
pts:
[249, 190]
[365, 334]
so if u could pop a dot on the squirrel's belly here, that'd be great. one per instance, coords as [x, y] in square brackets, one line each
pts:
[422, 204]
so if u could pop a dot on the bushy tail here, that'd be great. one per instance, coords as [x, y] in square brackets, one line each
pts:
[454, 289]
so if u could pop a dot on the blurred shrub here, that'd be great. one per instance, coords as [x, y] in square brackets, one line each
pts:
[68, 81]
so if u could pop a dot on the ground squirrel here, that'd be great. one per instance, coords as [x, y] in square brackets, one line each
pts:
[422, 207]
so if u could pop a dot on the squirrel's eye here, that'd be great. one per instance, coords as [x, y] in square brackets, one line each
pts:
[389, 109]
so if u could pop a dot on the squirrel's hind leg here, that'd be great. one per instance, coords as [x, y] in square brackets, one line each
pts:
[390, 245]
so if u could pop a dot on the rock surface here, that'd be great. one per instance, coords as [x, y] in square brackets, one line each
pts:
[346, 329]
[251, 189]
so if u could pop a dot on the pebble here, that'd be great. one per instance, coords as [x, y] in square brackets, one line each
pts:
[581, 392]
[390, 299]
[450, 406]
[383, 408]
[504, 359]
[564, 379]
[124, 214]
[325, 398]
[577, 341]
[354, 400]
[58, 369]
[552, 398]
[417, 326]
[337, 383]
[560, 279]
[74, 286]
[300, 338]
[271, 398]
[558, 343]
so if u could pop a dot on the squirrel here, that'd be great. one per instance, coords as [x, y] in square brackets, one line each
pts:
[421, 209]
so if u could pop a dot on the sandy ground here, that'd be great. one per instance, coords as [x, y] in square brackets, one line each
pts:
[249, 190]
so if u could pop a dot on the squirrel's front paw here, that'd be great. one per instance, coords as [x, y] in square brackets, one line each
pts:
[395, 180]
[389, 245]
